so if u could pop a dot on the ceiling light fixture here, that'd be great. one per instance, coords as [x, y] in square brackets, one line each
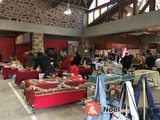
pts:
[128, 14]
[0, 1]
[68, 10]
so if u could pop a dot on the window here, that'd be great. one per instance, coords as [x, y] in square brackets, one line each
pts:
[96, 14]
[103, 10]
[90, 17]
[101, 2]
[96, 9]
[93, 5]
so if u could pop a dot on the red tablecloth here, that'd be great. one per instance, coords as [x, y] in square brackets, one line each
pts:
[83, 70]
[26, 74]
[8, 71]
[40, 94]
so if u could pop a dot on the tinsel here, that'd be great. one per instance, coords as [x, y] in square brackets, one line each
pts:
[62, 87]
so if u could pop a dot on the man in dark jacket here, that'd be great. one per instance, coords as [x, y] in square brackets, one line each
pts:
[150, 61]
[43, 61]
[77, 59]
[126, 61]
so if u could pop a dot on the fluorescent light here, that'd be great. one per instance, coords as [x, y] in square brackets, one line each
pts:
[128, 14]
[68, 10]
[0, 1]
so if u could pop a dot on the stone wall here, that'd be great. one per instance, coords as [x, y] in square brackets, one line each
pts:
[40, 12]
[37, 42]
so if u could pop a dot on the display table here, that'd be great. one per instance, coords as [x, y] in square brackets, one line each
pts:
[109, 79]
[26, 74]
[8, 71]
[82, 71]
[85, 71]
[54, 92]
[151, 76]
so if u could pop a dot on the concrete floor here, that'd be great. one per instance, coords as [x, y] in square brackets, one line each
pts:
[12, 109]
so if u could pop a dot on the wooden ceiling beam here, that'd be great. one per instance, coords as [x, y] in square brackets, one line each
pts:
[120, 12]
[135, 8]
[152, 4]
[112, 11]
[102, 16]
[104, 5]
[144, 8]
[85, 3]
[56, 3]
[125, 11]
[79, 2]
[89, 2]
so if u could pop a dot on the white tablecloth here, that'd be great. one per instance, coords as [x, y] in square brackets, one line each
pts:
[151, 75]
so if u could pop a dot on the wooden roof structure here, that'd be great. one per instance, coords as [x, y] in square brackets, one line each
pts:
[82, 4]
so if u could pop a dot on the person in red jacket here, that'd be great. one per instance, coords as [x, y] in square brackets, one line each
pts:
[67, 61]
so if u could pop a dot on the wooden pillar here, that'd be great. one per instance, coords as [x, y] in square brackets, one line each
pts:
[135, 3]
[152, 5]
[120, 15]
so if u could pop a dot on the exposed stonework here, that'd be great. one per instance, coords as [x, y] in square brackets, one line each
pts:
[40, 12]
[37, 42]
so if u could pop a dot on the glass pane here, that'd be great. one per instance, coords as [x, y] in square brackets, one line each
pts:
[103, 9]
[90, 17]
[93, 5]
[147, 9]
[96, 14]
[142, 5]
[101, 2]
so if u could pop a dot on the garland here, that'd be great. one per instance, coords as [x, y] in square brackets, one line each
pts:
[62, 87]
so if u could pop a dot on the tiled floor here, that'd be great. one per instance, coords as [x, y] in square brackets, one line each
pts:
[12, 109]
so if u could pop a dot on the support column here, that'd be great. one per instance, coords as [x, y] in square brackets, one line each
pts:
[84, 47]
[38, 42]
[144, 46]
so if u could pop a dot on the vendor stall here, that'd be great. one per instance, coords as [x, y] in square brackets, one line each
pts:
[26, 74]
[53, 92]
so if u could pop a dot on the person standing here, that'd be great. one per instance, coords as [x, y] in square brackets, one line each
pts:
[126, 61]
[24, 56]
[43, 61]
[150, 61]
[77, 59]
[143, 62]
[157, 64]
[136, 62]
[67, 62]
[30, 60]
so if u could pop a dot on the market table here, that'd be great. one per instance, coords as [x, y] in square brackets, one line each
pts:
[8, 71]
[54, 92]
[26, 74]
[152, 76]
[85, 71]
[81, 70]
[112, 78]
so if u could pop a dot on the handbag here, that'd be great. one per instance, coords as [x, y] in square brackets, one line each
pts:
[153, 110]
[113, 98]
[101, 92]
[126, 92]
